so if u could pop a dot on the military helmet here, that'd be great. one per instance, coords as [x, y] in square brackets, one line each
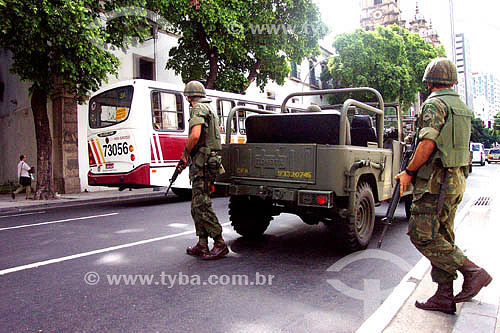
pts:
[194, 89]
[313, 108]
[441, 70]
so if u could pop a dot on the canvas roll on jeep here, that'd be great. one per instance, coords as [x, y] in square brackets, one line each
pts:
[331, 166]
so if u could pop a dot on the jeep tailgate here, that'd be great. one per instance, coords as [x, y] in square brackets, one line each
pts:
[291, 163]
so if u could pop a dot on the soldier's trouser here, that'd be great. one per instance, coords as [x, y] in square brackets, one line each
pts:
[433, 235]
[205, 220]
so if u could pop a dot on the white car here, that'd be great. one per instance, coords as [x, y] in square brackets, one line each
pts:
[478, 154]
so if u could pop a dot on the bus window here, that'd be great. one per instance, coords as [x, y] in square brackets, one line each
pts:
[110, 107]
[273, 108]
[167, 111]
[242, 115]
[223, 109]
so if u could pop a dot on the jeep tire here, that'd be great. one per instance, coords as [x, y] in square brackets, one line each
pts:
[358, 231]
[249, 216]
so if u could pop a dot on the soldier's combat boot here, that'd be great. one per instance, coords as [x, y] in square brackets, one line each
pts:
[442, 300]
[475, 278]
[219, 250]
[200, 249]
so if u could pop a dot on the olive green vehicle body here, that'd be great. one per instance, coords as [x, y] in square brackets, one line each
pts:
[318, 182]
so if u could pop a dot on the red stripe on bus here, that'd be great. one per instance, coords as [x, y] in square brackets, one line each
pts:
[160, 158]
[153, 159]
[97, 152]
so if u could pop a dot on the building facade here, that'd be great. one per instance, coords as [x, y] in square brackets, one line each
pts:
[380, 12]
[486, 92]
[388, 12]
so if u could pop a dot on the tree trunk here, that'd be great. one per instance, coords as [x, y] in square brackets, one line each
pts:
[212, 76]
[212, 56]
[44, 177]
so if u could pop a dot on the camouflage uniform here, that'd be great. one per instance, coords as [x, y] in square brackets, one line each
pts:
[202, 172]
[430, 231]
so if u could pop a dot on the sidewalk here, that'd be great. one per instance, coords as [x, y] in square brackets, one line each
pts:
[20, 204]
[476, 229]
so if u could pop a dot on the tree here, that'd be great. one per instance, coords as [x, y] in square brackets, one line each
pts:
[230, 44]
[496, 125]
[50, 41]
[481, 134]
[389, 59]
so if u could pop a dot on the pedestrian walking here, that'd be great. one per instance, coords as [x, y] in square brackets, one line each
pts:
[203, 148]
[24, 175]
[438, 171]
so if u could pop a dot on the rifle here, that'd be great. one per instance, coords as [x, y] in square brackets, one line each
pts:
[175, 175]
[396, 194]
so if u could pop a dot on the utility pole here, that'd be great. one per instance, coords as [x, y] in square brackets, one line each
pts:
[452, 27]
[453, 38]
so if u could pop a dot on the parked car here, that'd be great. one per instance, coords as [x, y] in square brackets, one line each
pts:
[494, 155]
[478, 155]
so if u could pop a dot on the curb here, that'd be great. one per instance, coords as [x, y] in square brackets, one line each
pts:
[383, 316]
[80, 202]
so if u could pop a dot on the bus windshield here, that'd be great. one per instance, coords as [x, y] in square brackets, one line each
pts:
[110, 107]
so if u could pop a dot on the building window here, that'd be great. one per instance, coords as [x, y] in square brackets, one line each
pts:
[312, 75]
[167, 111]
[144, 68]
[294, 70]
[377, 2]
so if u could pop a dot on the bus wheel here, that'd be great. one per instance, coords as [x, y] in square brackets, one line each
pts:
[249, 216]
[357, 231]
[183, 193]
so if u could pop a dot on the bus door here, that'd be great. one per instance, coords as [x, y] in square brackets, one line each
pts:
[224, 106]
[169, 134]
[242, 116]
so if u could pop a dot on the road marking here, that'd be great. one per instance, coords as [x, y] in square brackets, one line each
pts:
[59, 221]
[86, 254]
[23, 214]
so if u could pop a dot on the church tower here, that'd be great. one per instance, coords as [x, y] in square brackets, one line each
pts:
[380, 12]
[419, 26]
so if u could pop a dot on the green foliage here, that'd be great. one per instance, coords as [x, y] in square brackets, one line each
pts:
[227, 45]
[496, 125]
[482, 134]
[51, 39]
[389, 59]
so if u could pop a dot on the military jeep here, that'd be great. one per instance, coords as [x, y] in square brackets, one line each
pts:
[331, 166]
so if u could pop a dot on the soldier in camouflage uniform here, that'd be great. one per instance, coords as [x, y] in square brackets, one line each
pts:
[203, 146]
[439, 169]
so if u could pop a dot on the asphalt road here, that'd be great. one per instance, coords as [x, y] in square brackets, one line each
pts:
[73, 270]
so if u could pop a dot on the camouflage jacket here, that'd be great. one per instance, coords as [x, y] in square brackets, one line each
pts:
[430, 122]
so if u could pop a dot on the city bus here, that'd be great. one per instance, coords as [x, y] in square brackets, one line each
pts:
[137, 130]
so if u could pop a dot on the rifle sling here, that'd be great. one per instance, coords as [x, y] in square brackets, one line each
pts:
[442, 192]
